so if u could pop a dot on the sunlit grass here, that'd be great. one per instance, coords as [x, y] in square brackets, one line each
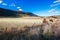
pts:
[29, 29]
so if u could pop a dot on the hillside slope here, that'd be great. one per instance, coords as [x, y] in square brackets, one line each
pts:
[12, 13]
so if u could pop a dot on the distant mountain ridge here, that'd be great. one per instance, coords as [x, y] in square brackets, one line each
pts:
[12, 13]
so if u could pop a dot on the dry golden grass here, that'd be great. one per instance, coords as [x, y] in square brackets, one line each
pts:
[28, 28]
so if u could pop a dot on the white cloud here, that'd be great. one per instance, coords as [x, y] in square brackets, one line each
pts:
[18, 7]
[53, 5]
[1, 1]
[4, 4]
[57, 1]
[13, 4]
[53, 11]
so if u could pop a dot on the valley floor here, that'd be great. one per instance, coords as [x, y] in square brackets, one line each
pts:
[29, 28]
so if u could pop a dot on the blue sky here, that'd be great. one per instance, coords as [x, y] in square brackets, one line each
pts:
[38, 7]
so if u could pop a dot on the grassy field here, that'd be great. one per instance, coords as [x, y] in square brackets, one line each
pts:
[20, 22]
[29, 28]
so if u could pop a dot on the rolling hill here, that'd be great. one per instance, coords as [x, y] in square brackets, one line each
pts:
[14, 13]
